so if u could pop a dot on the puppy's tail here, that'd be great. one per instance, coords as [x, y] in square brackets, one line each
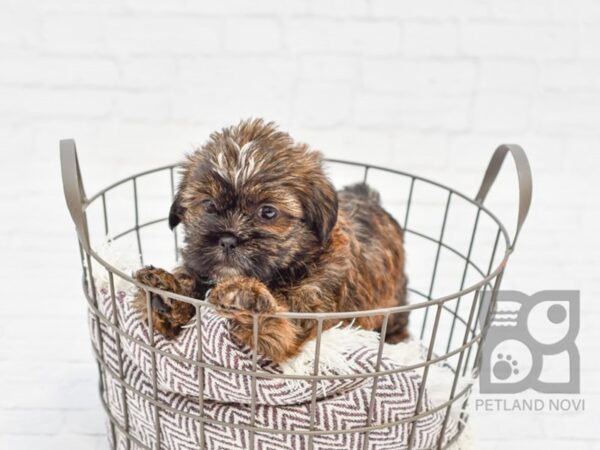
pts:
[365, 191]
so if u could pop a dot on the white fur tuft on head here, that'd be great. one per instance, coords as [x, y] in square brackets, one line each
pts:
[242, 169]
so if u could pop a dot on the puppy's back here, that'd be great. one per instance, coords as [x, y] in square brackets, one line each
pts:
[361, 204]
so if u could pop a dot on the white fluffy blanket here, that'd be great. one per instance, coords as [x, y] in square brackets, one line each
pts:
[283, 405]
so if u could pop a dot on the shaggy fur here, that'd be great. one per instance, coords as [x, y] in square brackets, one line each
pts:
[266, 229]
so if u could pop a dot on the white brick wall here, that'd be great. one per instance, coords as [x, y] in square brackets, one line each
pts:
[425, 86]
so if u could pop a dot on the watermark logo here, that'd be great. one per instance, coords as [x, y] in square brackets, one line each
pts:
[531, 343]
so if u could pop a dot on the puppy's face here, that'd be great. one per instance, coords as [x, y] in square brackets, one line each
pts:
[253, 202]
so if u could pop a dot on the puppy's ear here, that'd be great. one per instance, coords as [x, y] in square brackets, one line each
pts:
[321, 208]
[176, 212]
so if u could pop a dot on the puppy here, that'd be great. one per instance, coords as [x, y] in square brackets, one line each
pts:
[266, 230]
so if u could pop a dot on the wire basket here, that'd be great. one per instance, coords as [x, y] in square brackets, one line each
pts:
[457, 250]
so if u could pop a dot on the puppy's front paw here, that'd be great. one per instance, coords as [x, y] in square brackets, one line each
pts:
[167, 315]
[160, 279]
[242, 295]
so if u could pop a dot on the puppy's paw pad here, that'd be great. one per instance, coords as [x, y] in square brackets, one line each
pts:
[159, 304]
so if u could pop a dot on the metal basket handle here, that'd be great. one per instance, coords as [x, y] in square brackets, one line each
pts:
[73, 189]
[523, 174]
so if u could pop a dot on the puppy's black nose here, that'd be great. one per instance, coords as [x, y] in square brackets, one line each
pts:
[228, 242]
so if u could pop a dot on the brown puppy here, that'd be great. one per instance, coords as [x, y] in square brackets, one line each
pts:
[264, 223]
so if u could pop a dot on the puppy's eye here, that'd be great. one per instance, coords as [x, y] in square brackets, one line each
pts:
[267, 212]
[209, 206]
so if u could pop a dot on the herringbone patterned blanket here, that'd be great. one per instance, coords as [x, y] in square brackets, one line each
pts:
[281, 405]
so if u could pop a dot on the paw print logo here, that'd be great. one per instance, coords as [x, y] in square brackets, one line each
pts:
[505, 367]
[528, 336]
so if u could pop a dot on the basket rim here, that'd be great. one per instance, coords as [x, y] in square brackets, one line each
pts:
[321, 316]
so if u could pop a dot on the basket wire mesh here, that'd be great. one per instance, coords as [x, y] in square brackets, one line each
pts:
[452, 325]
